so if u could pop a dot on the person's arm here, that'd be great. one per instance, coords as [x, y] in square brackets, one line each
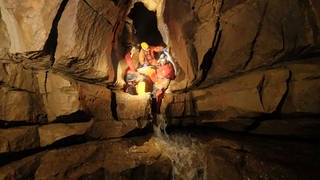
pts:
[130, 62]
[157, 48]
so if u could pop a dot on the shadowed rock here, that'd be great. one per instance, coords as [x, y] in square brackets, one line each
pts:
[18, 139]
[55, 132]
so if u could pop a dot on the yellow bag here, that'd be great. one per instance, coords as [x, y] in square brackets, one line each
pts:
[141, 88]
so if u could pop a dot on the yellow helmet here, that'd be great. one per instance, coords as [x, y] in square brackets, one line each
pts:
[144, 46]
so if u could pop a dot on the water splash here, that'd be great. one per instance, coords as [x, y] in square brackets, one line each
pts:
[185, 152]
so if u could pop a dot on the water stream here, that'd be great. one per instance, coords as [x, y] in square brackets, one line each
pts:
[185, 152]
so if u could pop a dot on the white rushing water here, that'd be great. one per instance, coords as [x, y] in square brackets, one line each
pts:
[185, 152]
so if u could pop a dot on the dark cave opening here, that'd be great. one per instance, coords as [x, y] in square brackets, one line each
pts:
[145, 27]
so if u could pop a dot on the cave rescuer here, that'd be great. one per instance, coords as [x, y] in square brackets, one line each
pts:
[146, 55]
[132, 77]
[148, 65]
[166, 71]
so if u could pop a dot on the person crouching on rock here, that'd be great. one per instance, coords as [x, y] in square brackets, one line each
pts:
[132, 77]
[147, 66]
[165, 73]
[146, 54]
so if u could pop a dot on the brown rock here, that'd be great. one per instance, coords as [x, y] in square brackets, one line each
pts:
[84, 36]
[266, 159]
[267, 40]
[298, 127]
[109, 159]
[133, 107]
[222, 162]
[304, 87]
[240, 94]
[96, 100]
[16, 76]
[18, 139]
[286, 126]
[273, 88]
[19, 106]
[315, 9]
[106, 9]
[135, 155]
[54, 132]
[22, 169]
[70, 163]
[13, 102]
[60, 94]
[247, 95]
[28, 24]
[5, 42]
[113, 128]
[207, 14]
[178, 105]
[179, 20]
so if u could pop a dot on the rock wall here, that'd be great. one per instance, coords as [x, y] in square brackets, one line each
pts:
[248, 66]
[55, 65]
[240, 61]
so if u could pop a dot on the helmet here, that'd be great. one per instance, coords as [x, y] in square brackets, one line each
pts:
[144, 45]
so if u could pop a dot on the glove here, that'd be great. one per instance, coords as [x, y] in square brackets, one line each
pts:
[164, 50]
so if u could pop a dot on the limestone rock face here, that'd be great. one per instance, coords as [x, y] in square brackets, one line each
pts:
[22, 169]
[60, 94]
[130, 107]
[27, 25]
[84, 39]
[99, 160]
[4, 36]
[19, 106]
[54, 132]
[303, 88]
[96, 100]
[18, 139]
[217, 39]
[248, 95]
[230, 57]
[178, 105]
[287, 94]
[16, 76]
[227, 155]
[138, 158]
[243, 65]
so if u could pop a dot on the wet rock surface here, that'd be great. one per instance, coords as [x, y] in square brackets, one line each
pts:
[226, 157]
[250, 67]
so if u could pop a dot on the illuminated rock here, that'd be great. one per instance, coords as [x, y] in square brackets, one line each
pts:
[218, 40]
[58, 131]
[18, 105]
[244, 96]
[27, 24]
[84, 39]
[18, 139]
[109, 159]
[16, 76]
[133, 107]
[60, 95]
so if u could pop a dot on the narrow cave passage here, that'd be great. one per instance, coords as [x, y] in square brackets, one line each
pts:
[145, 25]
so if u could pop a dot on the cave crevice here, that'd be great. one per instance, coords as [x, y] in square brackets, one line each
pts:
[145, 24]
[52, 41]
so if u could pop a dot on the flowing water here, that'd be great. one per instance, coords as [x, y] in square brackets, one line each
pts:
[185, 152]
